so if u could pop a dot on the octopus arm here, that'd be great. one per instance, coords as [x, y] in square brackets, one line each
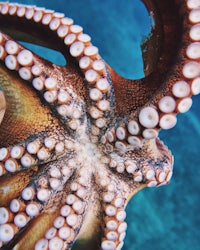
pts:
[49, 210]
[145, 106]
[150, 166]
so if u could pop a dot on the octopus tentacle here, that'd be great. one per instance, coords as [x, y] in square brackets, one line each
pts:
[79, 47]
[23, 111]
[171, 96]
[36, 150]
[33, 201]
[42, 75]
[114, 222]
[113, 214]
[101, 91]
[113, 206]
[16, 183]
[135, 167]
[28, 239]
[66, 226]
[138, 173]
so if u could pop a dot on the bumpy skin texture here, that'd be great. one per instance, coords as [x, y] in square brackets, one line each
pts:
[77, 142]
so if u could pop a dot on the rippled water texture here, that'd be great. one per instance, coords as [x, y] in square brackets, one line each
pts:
[160, 218]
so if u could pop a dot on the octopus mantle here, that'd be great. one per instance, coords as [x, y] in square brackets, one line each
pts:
[78, 141]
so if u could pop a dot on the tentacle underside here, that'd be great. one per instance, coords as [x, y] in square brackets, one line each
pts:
[168, 89]
[78, 141]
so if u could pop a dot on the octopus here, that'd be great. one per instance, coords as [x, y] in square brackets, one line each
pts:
[78, 141]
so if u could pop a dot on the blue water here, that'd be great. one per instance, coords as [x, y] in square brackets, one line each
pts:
[168, 217]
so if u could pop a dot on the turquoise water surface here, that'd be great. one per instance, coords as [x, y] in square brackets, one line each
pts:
[168, 217]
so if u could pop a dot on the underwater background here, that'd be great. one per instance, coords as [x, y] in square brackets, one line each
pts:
[168, 217]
